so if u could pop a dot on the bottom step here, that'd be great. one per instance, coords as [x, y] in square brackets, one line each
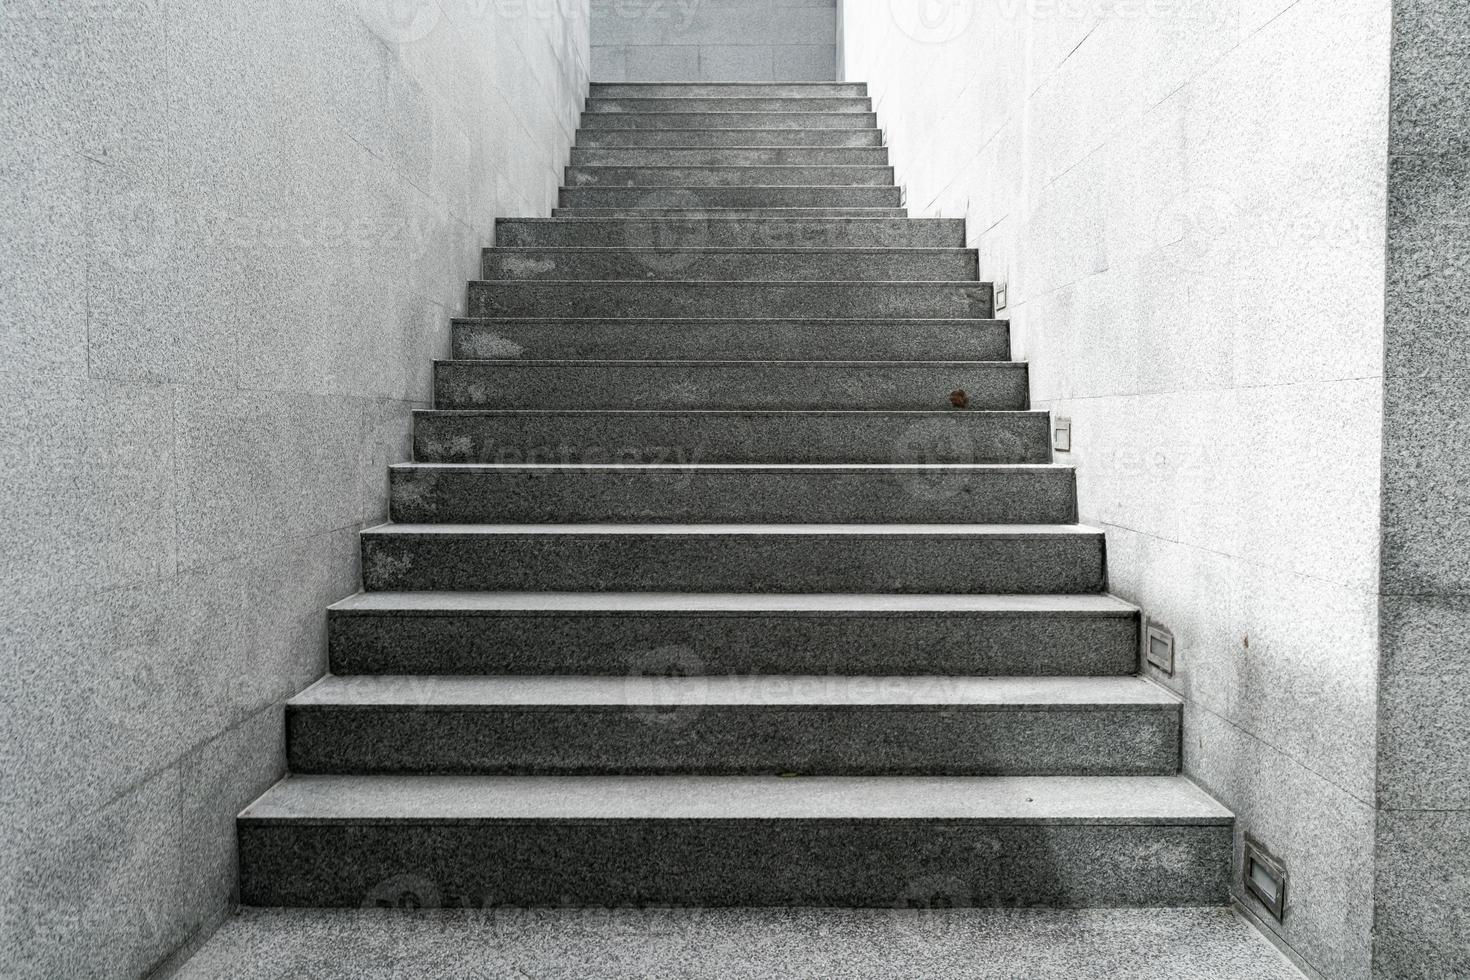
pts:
[720, 841]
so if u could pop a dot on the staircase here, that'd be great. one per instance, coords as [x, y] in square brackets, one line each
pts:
[733, 570]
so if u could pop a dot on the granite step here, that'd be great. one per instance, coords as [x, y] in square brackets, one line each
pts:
[728, 264]
[532, 493]
[650, 724]
[727, 175]
[945, 559]
[737, 841]
[670, 121]
[696, 298]
[592, 138]
[684, 102]
[734, 385]
[676, 234]
[656, 90]
[617, 634]
[749, 156]
[704, 436]
[713, 215]
[748, 339]
[697, 198]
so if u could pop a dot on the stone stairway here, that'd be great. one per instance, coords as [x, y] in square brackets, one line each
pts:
[702, 591]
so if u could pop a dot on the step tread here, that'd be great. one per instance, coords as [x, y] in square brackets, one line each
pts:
[627, 603]
[1122, 800]
[741, 467]
[994, 693]
[730, 250]
[992, 531]
[723, 362]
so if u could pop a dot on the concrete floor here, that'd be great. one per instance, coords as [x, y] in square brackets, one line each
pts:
[976, 944]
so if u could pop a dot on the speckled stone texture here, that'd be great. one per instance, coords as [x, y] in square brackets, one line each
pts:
[677, 235]
[956, 300]
[811, 385]
[598, 102]
[761, 212]
[671, 175]
[729, 137]
[667, 121]
[456, 633]
[633, 89]
[734, 726]
[748, 156]
[422, 493]
[744, 196]
[752, 339]
[874, 265]
[907, 559]
[924, 939]
[589, 436]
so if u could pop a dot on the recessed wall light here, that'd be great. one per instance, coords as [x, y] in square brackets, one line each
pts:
[1158, 648]
[1265, 878]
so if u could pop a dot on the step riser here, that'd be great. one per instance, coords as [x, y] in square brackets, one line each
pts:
[732, 740]
[622, 643]
[692, 263]
[730, 157]
[741, 299]
[679, 121]
[728, 176]
[981, 340]
[675, 233]
[766, 564]
[599, 104]
[661, 90]
[722, 214]
[596, 138]
[454, 496]
[753, 385]
[675, 437]
[737, 863]
[731, 197]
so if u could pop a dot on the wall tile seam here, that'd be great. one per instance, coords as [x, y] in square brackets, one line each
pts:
[1346, 587]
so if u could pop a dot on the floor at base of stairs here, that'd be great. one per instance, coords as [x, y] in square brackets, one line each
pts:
[577, 944]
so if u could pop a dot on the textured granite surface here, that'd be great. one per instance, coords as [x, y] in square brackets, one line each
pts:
[747, 196]
[747, 41]
[755, 338]
[925, 938]
[681, 207]
[698, 262]
[762, 175]
[732, 101]
[589, 436]
[734, 726]
[735, 558]
[495, 633]
[748, 156]
[730, 493]
[855, 385]
[730, 137]
[762, 89]
[710, 231]
[963, 300]
[802, 121]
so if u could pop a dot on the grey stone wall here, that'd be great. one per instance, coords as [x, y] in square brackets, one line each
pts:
[1187, 203]
[714, 40]
[1423, 896]
[233, 234]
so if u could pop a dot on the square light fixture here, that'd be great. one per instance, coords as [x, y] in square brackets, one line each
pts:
[1265, 878]
[1158, 648]
[1061, 435]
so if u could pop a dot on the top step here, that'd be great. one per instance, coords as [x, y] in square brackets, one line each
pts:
[716, 104]
[755, 90]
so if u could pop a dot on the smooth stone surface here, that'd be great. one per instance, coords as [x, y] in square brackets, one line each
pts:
[590, 436]
[734, 726]
[749, 339]
[928, 935]
[696, 262]
[733, 385]
[700, 634]
[860, 558]
[731, 493]
[681, 298]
